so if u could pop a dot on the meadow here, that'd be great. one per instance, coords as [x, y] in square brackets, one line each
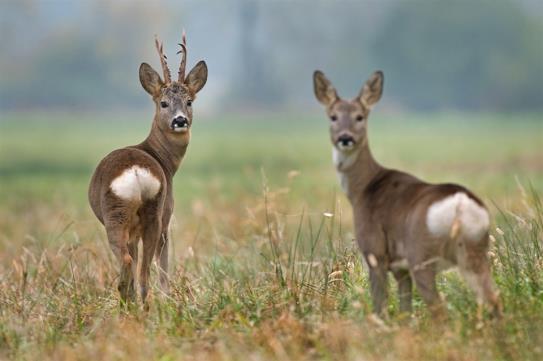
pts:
[264, 264]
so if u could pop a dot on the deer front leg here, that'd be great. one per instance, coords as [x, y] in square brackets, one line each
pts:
[162, 255]
[378, 282]
[379, 289]
[405, 290]
[372, 243]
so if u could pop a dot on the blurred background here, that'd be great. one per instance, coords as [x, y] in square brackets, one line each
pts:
[484, 55]
[463, 102]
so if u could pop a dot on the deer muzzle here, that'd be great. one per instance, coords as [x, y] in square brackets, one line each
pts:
[345, 142]
[180, 124]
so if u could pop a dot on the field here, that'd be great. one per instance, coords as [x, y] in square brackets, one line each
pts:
[264, 261]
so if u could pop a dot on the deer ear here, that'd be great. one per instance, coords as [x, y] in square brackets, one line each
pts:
[150, 80]
[373, 89]
[197, 77]
[324, 90]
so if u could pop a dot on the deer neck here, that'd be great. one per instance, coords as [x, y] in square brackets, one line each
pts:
[355, 170]
[167, 149]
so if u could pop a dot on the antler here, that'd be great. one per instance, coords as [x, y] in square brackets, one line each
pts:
[165, 70]
[183, 64]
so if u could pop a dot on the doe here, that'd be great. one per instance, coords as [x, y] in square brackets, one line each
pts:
[131, 189]
[404, 225]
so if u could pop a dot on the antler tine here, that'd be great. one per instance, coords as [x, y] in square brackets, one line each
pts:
[165, 70]
[182, 66]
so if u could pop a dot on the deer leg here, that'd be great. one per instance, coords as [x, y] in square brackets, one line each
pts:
[379, 292]
[162, 255]
[405, 290]
[378, 282]
[151, 235]
[118, 238]
[133, 251]
[425, 279]
[478, 277]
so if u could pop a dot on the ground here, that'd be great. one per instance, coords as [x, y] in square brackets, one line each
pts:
[264, 261]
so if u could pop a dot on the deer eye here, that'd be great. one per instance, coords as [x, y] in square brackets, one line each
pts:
[164, 104]
[333, 118]
[189, 103]
[359, 118]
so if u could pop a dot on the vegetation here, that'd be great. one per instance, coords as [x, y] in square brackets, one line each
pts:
[265, 265]
[459, 60]
[481, 55]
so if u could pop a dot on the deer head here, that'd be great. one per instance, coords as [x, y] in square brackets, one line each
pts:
[348, 118]
[173, 99]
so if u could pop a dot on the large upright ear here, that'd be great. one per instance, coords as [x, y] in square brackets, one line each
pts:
[197, 77]
[324, 90]
[373, 89]
[150, 80]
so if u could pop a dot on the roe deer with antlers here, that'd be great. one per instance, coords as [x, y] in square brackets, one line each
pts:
[404, 225]
[131, 189]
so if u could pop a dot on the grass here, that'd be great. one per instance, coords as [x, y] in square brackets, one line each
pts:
[264, 262]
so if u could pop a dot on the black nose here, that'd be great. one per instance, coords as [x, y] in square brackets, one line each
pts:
[180, 122]
[345, 140]
[181, 119]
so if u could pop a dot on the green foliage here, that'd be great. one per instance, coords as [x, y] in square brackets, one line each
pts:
[436, 54]
[474, 55]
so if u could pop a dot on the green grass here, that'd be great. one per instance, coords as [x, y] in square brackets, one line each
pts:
[259, 271]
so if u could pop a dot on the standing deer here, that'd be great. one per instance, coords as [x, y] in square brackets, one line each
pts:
[131, 189]
[404, 225]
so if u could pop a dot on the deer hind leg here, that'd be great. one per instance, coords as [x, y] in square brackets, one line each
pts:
[133, 251]
[405, 290]
[475, 269]
[118, 235]
[425, 279]
[151, 231]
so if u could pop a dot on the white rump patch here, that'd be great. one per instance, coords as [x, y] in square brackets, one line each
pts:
[136, 184]
[472, 219]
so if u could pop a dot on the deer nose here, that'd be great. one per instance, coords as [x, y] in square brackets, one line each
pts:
[181, 119]
[345, 141]
[180, 123]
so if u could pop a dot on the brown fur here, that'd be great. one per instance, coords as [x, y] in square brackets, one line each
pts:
[390, 208]
[128, 220]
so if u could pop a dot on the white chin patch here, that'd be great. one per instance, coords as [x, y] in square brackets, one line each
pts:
[180, 128]
[345, 147]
